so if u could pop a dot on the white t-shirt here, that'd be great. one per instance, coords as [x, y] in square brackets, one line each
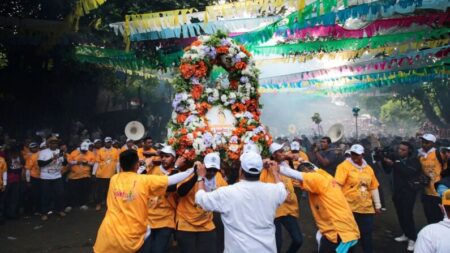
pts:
[434, 238]
[53, 169]
[248, 211]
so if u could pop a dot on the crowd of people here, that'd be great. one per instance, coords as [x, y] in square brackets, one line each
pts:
[154, 197]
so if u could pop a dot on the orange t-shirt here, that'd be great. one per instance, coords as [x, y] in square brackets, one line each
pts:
[31, 164]
[330, 209]
[107, 160]
[290, 205]
[80, 171]
[161, 209]
[432, 168]
[125, 224]
[357, 185]
[3, 168]
[190, 216]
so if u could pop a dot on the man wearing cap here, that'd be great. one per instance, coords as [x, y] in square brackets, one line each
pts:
[106, 165]
[162, 208]
[324, 156]
[295, 157]
[81, 162]
[432, 166]
[360, 188]
[332, 214]
[434, 238]
[195, 227]
[288, 213]
[97, 146]
[32, 176]
[128, 145]
[51, 161]
[247, 207]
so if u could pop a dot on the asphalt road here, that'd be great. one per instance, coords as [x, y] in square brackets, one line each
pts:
[77, 231]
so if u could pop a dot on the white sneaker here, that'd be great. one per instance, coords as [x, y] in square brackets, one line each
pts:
[401, 238]
[68, 209]
[84, 207]
[411, 244]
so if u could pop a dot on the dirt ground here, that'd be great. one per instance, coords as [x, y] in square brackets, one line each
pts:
[77, 231]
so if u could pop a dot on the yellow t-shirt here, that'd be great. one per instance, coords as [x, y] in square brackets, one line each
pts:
[107, 160]
[80, 171]
[125, 224]
[190, 216]
[31, 164]
[296, 163]
[357, 185]
[26, 152]
[161, 209]
[330, 209]
[3, 168]
[432, 168]
[290, 205]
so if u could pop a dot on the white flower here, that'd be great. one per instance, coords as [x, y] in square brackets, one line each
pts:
[174, 117]
[232, 50]
[248, 72]
[216, 94]
[190, 136]
[199, 146]
[232, 95]
[223, 98]
[208, 90]
[242, 55]
[184, 96]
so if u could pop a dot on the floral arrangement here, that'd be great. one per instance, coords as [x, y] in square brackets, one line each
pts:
[188, 130]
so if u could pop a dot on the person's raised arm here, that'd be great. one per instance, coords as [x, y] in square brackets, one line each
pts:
[287, 171]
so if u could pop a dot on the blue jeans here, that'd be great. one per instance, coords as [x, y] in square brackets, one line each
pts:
[365, 225]
[291, 225]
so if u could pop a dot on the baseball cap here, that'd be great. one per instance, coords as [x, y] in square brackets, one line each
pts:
[429, 137]
[251, 162]
[358, 149]
[167, 149]
[295, 145]
[212, 160]
[274, 147]
[97, 140]
[446, 198]
[84, 146]
[108, 139]
[128, 140]
[446, 148]
[33, 145]
[251, 147]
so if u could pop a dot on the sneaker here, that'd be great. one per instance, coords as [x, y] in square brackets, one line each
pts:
[62, 214]
[98, 207]
[68, 209]
[44, 217]
[84, 207]
[411, 244]
[401, 238]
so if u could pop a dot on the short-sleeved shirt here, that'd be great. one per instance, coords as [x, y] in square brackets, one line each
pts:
[357, 184]
[107, 160]
[190, 216]
[79, 171]
[432, 168]
[330, 209]
[53, 169]
[3, 169]
[331, 156]
[31, 164]
[290, 205]
[125, 224]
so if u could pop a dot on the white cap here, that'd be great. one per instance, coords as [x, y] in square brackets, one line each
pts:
[429, 137]
[108, 139]
[167, 149]
[212, 160]
[84, 146]
[274, 147]
[87, 140]
[251, 147]
[358, 149]
[97, 140]
[446, 148]
[128, 140]
[33, 145]
[43, 144]
[251, 162]
[347, 152]
[295, 145]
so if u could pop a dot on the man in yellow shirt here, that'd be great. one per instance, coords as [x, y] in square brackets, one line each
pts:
[195, 227]
[125, 226]
[432, 166]
[332, 214]
[81, 161]
[147, 149]
[360, 187]
[128, 145]
[33, 176]
[288, 212]
[295, 157]
[162, 209]
[107, 164]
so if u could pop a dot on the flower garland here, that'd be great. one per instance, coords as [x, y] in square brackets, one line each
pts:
[188, 130]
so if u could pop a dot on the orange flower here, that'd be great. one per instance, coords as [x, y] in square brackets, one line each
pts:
[181, 118]
[187, 48]
[196, 91]
[234, 84]
[196, 43]
[222, 50]
[187, 70]
[255, 138]
[238, 107]
[183, 131]
[243, 49]
[203, 108]
[250, 127]
[240, 65]
[190, 155]
[171, 141]
[252, 105]
[200, 69]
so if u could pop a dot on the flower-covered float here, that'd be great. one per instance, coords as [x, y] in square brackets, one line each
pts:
[220, 115]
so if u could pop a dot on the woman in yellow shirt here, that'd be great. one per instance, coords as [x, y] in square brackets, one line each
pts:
[360, 188]
[195, 227]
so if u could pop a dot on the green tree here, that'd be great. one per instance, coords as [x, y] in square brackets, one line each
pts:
[402, 115]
